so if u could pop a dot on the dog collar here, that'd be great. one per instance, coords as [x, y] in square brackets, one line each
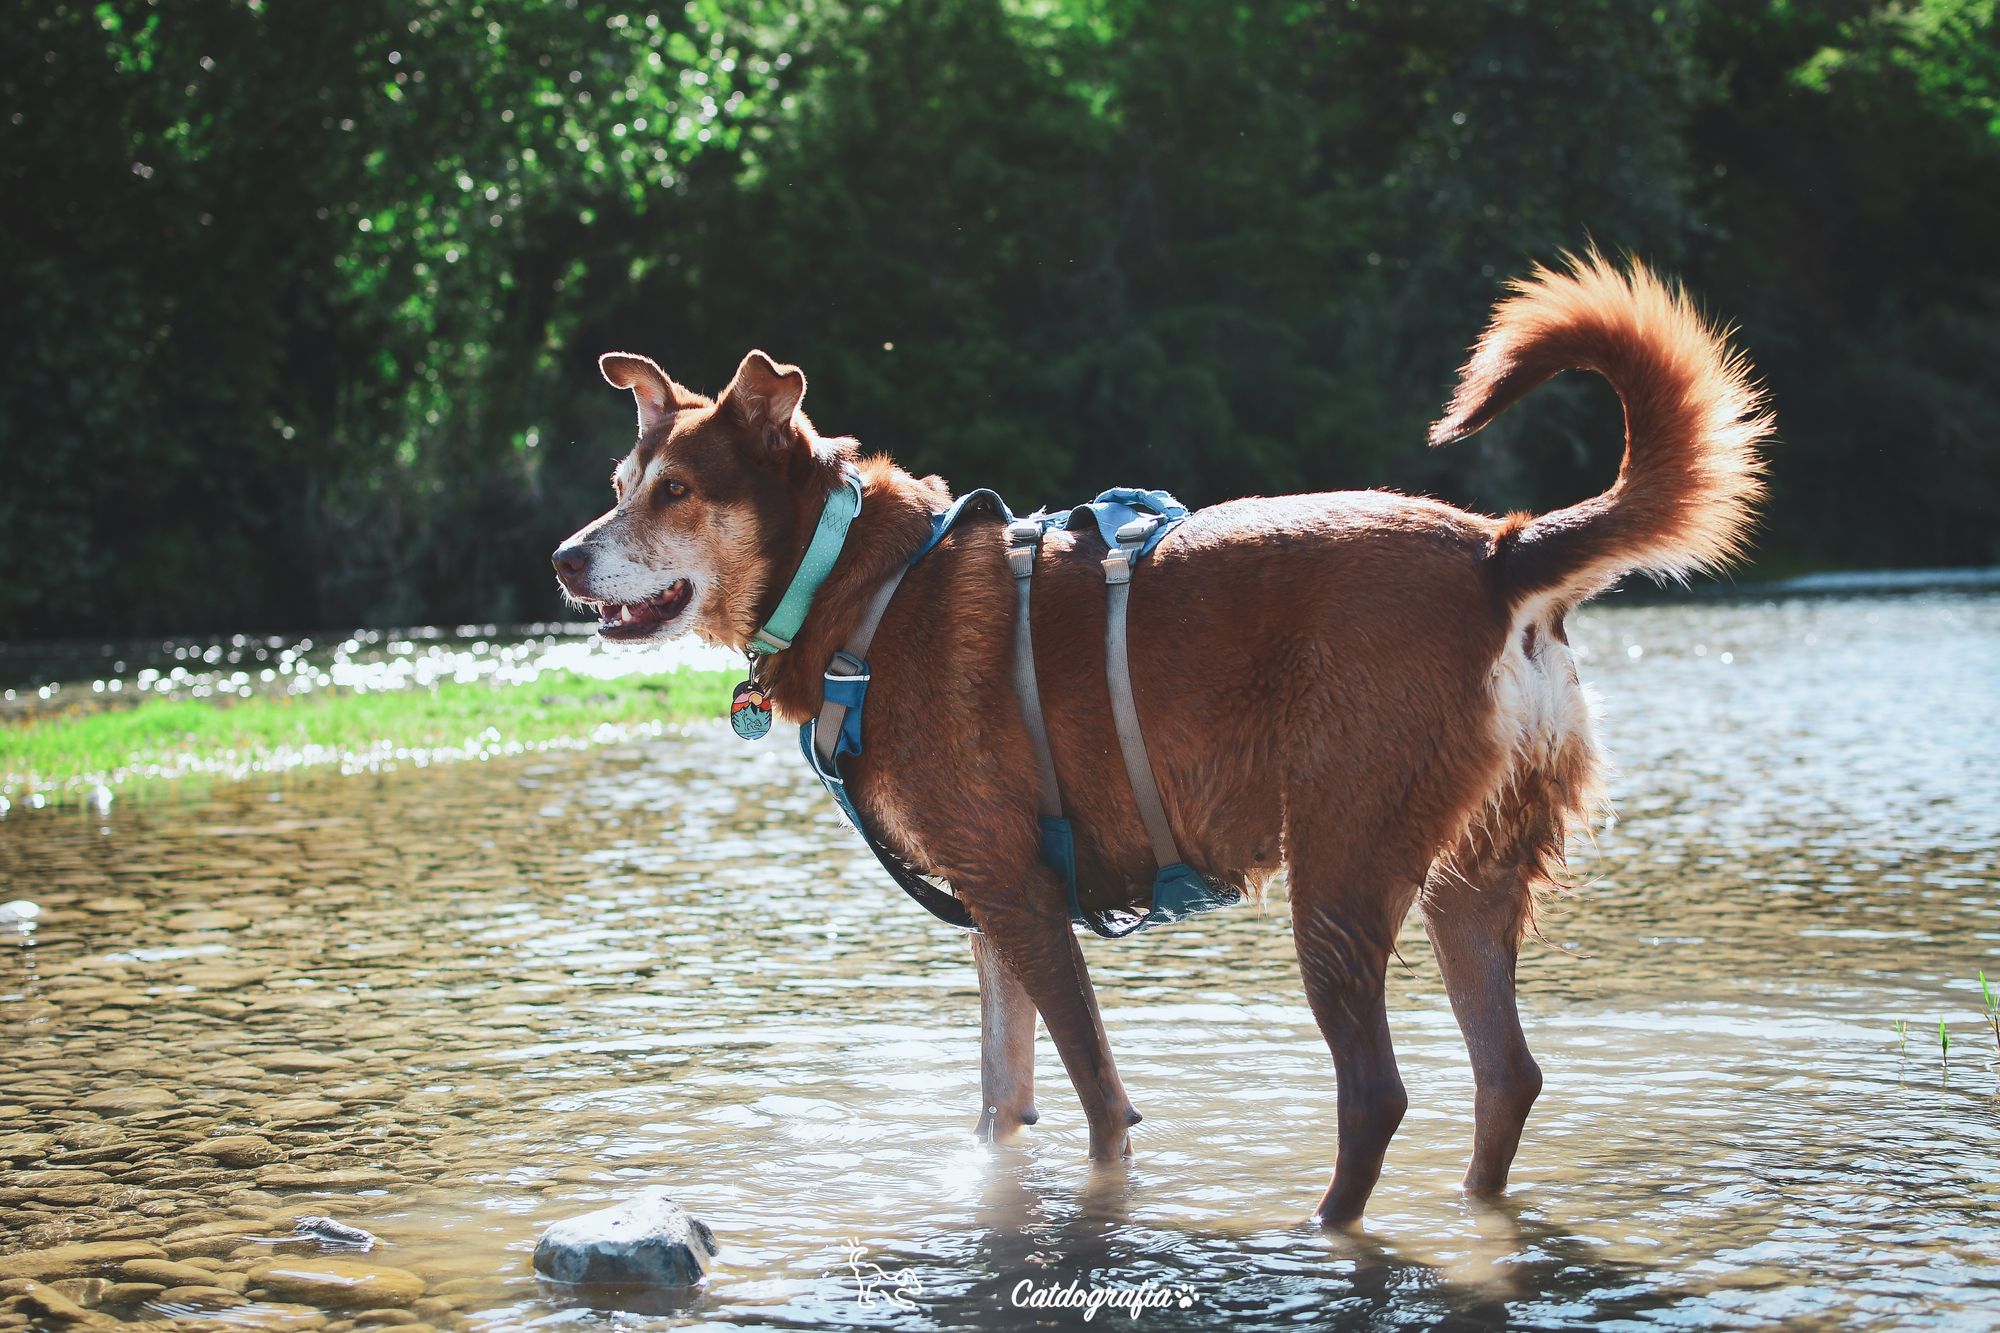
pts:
[835, 517]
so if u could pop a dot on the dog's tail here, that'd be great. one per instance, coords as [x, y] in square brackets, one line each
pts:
[1694, 423]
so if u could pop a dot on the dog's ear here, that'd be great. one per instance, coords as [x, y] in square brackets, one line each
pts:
[765, 396]
[659, 398]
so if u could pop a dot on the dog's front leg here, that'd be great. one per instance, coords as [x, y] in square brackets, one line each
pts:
[1024, 921]
[1006, 1047]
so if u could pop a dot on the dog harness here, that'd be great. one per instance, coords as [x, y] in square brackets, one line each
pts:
[1131, 524]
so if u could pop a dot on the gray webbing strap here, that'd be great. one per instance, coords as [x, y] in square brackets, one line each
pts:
[1118, 675]
[855, 656]
[1024, 541]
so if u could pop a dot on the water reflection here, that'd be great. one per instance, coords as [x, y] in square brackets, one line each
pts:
[453, 1006]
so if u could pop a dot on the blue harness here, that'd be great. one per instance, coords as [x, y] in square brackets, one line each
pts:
[1131, 524]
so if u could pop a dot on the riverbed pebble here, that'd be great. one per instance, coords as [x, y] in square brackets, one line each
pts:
[239, 1150]
[338, 1283]
[202, 1294]
[128, 1101]
[85, 1291]
[166, 1272]
[24, 1147]
[43, 1302]
[338, 1178]
[209, 1238]
[303, 1062]
[80, 1260]
[298, 1108]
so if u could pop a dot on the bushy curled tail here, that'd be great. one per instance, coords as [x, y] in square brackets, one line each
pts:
[1694, 424]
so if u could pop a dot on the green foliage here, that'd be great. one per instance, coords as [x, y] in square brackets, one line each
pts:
[304, 299]
[170, 738]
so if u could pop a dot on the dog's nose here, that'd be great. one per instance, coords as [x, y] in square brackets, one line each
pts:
[572, 562]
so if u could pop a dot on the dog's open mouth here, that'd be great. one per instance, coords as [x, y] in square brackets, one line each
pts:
[635, 620]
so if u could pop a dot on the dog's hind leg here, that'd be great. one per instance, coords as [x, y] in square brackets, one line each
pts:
[1006, 1047]
[1477, 903]
[1346, 908]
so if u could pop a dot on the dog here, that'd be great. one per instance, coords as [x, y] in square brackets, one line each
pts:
[1371, 690]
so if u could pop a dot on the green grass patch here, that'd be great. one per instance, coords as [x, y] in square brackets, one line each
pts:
[159, 739]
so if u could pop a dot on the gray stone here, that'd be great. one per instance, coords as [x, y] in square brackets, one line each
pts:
[648, 1240]
[333, 1235]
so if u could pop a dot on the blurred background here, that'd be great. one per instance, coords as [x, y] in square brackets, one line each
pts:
[303, 301]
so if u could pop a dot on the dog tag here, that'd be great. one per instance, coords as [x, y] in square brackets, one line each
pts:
[750, 711]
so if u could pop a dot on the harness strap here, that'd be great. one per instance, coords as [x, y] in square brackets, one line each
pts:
[1118, 676]
[1024, 543]
[837, 731]
[1178, 889]
[851, 663]
[1057, 834]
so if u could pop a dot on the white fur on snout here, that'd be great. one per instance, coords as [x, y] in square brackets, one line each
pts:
[628, 569]
[618, 574]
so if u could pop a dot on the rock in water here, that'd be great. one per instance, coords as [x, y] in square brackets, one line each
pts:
[647, 1240]
[333, 1235]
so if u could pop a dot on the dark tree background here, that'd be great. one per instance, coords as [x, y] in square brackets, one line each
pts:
[303, 300]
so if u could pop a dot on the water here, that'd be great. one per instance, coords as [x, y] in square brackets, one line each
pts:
[498, 994]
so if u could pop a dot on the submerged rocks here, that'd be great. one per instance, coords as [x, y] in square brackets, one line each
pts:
[336, 1283]
[335, 1178]
[298, 1108]
[128, 1101]
[210, 1238]
[239, 1150]
[647, 1240]
[58, 1310]
[81, 1260]
[166, 1272]
[303, 1062]
[24, 1147]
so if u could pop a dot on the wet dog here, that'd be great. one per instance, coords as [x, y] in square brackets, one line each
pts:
[1371, 690]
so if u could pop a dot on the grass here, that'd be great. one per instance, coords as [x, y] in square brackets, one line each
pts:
[68, 755]
[1992, 1008]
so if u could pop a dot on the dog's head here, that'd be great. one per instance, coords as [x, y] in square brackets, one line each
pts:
[711, 505]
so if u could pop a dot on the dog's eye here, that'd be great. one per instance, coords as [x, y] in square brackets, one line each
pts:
[676, 489]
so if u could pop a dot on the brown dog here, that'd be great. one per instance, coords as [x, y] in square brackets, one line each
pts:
[1372, 690]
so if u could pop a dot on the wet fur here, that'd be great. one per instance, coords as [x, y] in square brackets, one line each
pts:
[1369, 689]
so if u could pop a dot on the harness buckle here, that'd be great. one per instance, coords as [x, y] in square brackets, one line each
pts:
[1135, 532]
[1024, 532]
[1118, 566]
[1024, 539]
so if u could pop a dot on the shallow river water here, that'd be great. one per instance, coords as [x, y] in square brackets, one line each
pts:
[451, 1006]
